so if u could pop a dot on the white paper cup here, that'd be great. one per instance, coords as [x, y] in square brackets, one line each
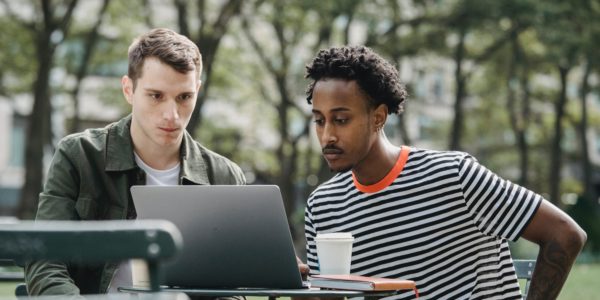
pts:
[334, 251]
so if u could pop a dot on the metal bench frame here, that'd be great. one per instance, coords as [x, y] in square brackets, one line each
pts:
[92, 241]
[524, 269]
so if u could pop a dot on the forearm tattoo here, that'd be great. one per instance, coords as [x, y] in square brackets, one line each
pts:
[551, 271]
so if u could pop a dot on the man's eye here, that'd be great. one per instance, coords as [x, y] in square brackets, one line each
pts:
[319, 122]
[155, 96]
[185, 97]
[341, 121]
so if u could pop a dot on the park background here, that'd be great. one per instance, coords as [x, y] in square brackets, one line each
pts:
[514, 83]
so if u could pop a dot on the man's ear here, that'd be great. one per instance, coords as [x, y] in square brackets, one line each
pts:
[127, 86]
[380, 116]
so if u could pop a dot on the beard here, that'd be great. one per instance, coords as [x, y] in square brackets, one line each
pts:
[341, 170]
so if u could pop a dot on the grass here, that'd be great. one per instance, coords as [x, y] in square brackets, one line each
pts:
[582, 284]
[7, 289]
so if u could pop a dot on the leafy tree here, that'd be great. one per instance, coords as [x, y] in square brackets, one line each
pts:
[49, 26]
[466, 17]
[589, 26]
[555, 30]
[82, 63]
[513, 61]
[17, 72]
[208, 37]
[285, 21]
[298, 29]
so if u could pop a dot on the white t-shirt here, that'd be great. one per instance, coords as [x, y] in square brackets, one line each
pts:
[129, 269]
[159, 177]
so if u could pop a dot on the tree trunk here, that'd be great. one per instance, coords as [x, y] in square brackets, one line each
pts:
[404, 135]
[586, 165]
[208, 49]
[285, 151]
[518, 120]
[38, 130]
[522, 134]
[89, 48]
[209, 39]
[555, 147]
[460, 79]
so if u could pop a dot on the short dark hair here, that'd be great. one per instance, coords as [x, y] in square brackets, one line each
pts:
[169, 47]
[375, 76]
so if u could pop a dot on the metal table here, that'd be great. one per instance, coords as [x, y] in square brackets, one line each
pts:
[270, 293]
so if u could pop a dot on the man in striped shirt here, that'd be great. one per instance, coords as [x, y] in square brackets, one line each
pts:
[438, 218]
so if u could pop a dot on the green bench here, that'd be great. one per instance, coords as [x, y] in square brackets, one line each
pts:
[9, 271]
[524, 269]
[92, 241]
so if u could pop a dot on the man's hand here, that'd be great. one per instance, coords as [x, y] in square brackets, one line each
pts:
[304, 269]
[560, 240]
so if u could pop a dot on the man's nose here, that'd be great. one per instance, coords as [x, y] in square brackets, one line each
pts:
[170, 111]
[329, 135]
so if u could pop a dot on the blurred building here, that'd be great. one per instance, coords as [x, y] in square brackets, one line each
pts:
[12, 152]
[95, 111]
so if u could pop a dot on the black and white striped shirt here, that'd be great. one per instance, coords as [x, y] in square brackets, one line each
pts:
[442, 221]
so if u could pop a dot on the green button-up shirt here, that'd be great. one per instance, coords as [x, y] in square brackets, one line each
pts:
[89, 179]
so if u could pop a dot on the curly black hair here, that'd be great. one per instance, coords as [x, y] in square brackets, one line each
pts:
[375, 76]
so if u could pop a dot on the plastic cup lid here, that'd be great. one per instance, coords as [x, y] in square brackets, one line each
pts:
[335, 236]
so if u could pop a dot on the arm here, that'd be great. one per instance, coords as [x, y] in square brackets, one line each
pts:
[537, 220]
[57, 202]
[560, 240]
[49, 278]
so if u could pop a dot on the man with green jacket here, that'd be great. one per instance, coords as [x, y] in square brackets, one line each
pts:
[92, 171]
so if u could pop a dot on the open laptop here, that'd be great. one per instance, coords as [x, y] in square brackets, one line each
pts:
[233, 236]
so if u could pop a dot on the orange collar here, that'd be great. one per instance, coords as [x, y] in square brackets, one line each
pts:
[389, 178]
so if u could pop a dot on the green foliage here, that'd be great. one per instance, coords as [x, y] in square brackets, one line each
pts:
[109, 59]
[111, 94]
[586, 212]
[556, 30]
[18, 71]
[242, 115]
[221, 138]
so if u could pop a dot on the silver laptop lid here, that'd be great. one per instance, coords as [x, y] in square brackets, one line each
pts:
[233, 236]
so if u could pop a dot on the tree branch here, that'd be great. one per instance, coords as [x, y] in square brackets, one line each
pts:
[495, 46]
[66, 19]
[202, 19]
[181, 8]
[229, 9]
[47, 13]
[305, 131]
[298, 107]
[265, 94]
[489, 51]
[261, 53]
[279, 33]
[91, 40]
[147, 13]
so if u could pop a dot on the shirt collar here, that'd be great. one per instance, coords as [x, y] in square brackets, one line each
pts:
[119, 154]
[193, 165]
[119, 147]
